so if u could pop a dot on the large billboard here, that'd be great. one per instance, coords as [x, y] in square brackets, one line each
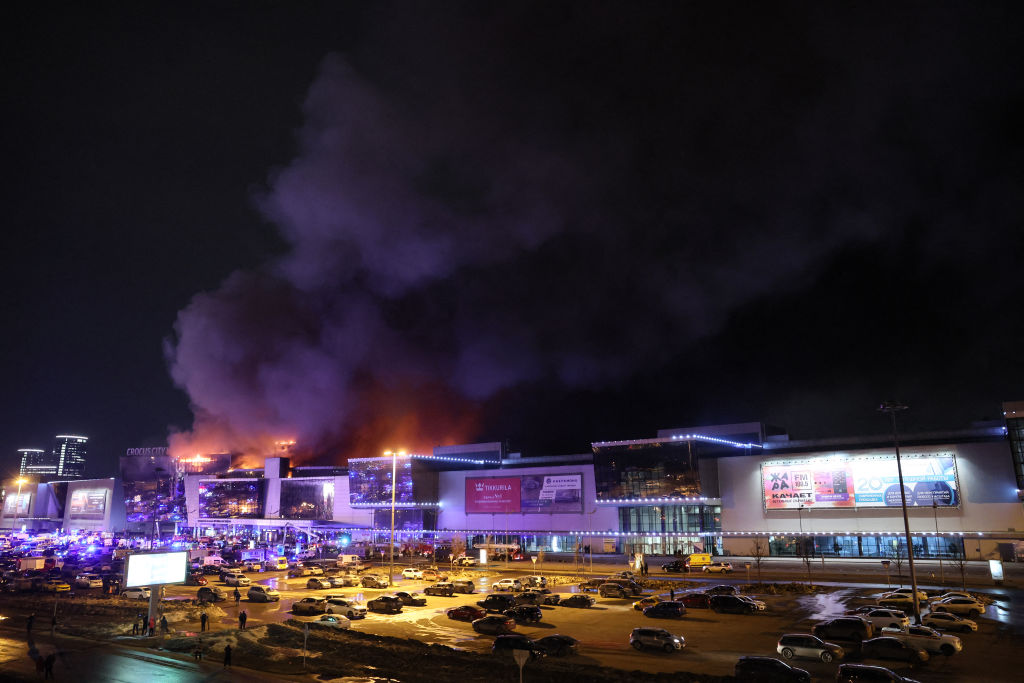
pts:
[151, 569]
[17, 505]
[552, 493]
[492, 494]
[88, 503]
[860, 481]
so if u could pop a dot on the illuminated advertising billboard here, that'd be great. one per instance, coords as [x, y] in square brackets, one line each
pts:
[492, 494]
[17, 505]
[151, 569]
[88, 504]
[869, 481]
[552, 493]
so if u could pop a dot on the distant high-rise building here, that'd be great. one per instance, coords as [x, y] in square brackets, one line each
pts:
[37, 464]
[70, 452]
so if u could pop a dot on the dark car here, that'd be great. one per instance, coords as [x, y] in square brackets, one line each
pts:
[695, 600]
[529, 614]
[665, 610]
[730, 604]
[530, 598]
[372, 581]
[629, 586]
[577, 600]
[505, 644]
[413, 599]
[318, 583]
[465, 613]
[591, 584]
[862, 673]
[312, 606]
[558, 645]
[723, 589]
[494, 625]
[196, 579]
[675, 567]
[769, 670]
[385, 604]
[892, 648]
[463, 586]
[443, 589]
[211, 570]
[612, 590]
[210, 594]
[844, 628]
[497, 602]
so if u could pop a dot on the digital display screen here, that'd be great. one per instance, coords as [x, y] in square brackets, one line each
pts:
[155, 568]
[485, 495]
[552, 493]
[369, 480]
[870, 481]
[225, 498]
[88, 503]
[17, 505]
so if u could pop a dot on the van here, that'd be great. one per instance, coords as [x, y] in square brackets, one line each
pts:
[698, 559]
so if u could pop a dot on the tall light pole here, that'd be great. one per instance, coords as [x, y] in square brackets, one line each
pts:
[394, 485]
[935, 512]
[893, 407]
[17, 504]
[802, 541]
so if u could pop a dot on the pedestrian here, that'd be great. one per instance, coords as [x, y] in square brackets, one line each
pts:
[152, 626]
[163, 625]
[28, 622]
[48, 665]
[672, 594]
[227, 656]
[242, 618]
[238, 596]
[40, 664]
[202, 621]
[135, 626]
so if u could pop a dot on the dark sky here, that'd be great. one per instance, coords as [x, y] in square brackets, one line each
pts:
[366, 225]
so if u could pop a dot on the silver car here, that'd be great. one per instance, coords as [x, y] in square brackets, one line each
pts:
[811, 647]
[657, 638]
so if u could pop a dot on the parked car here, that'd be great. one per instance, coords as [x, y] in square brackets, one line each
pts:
[558, 645]
[948, 621]
[759, 605]
[675, 567]
[211, 594]
[536, 582]
[252, 566]
[731, 604]
[927, 639]
[528, 614]
[463, 586]
[412, 573]
[768, 670]
[193, 579]
[412, 599]
[318, 583]
[844, 628]
[864, 609]
[342, 605]
[373, 581]
[657, 638]
[629, 585]
[507, 643]
[695, 600]
[55, 586]
[508, 585]
[137, 593]
[444, 589]
[577, 600]
[951, 594]
[466, 561]
[260, 593]
[309, 606]
[434, 575]
[612, 590]
[805, 645]
[900, 601]
[724, 589]
[385, 604]
[864, 673]
[299, 572]
[883, 617]
[665, 610]
[236, 579]
[718, 568]
[631, 576]
[211, 570]
[91, 581]
[465, 613]
[591, 584]
[333, 621]
[968, 607]
[644, 603]
[494, 625]
[497, 602]
[887, 647]
[530, 598]
[315, 570]
[921, 595]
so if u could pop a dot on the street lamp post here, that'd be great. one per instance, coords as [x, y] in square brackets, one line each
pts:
[935, 512]
[17, 503]
[394, 486]
[893, 407]
[802, 541]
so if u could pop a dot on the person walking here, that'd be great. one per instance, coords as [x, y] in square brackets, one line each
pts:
[672, 594]
[135, 626]
[152, 626]
[28, 622]
[242, 618]
[202, 621]
[163, 625]
[227, 656]
[238, 596]
[48, 665]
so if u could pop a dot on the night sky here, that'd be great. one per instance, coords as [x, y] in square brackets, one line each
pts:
[403, 224]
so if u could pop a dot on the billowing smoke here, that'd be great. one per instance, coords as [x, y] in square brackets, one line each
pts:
[479, 216]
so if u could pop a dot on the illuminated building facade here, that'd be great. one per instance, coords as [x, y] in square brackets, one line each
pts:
[71, 452]
[37, 465]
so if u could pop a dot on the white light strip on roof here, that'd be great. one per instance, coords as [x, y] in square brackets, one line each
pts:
[678, 437]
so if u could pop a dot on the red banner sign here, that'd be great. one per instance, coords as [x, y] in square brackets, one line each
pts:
[492, 494]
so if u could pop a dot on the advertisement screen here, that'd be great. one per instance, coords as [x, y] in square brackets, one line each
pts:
[88, 503]
[17, 505]
[492, 495]
[860, 481]
[155, 568]
[552, 493]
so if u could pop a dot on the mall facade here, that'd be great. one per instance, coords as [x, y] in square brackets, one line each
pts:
[720, 489]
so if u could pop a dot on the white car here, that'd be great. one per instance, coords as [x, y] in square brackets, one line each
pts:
[951, 594]
[887, 618]
[412, 573]
[897, 600]
[136, 594]
[759, 604]
[258, 593]
[508, 585]
[927, 639]
[315, 570]
[350, 608]
[948, 622]
[921, 595]
[333, 620]
[968, 606]
[88, 581]
[718, 568]
[466, 562]
[811, 647]
[236, 579]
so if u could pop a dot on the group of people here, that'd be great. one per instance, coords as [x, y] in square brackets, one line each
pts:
[141, 627]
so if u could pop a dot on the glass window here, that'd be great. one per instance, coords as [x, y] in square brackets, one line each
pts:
[307, 498]
[228, 499]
